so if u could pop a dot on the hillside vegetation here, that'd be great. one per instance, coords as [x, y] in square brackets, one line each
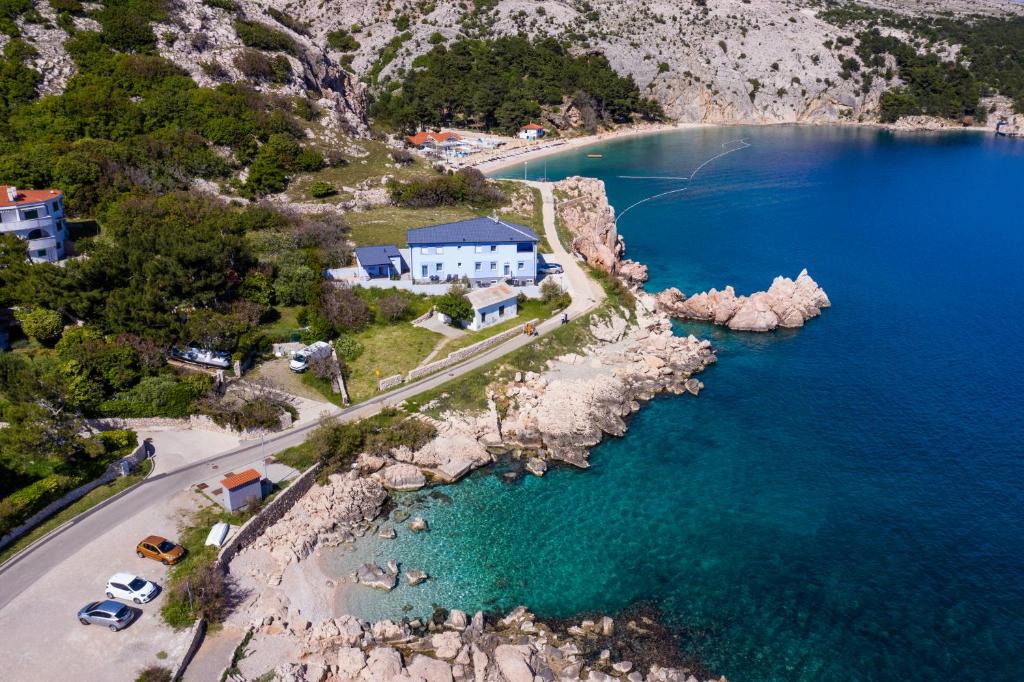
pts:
[505, 83]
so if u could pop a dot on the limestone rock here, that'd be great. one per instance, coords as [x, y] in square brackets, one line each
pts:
[418, 525]
[787, 303]
[429, 669]
[376, 577]
[536, 466]
[383, 663]
[403, 477]
[514, 662]
[350, 661]
[416, 577]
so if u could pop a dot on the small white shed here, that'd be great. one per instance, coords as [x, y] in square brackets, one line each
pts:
[492, 305]
[241, 489]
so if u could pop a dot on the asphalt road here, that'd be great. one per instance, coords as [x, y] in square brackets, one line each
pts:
[36, 561]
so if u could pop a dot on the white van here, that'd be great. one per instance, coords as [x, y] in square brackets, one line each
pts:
[302, 358]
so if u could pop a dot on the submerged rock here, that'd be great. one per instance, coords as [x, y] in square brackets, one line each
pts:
[418, 525]
[416, 577]
[376, 577]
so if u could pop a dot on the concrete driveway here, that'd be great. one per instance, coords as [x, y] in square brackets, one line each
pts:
[175, 449]
[42, 638]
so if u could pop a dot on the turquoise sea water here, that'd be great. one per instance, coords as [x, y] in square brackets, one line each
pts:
[842, 502]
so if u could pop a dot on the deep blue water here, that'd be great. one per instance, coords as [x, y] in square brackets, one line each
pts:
[843, 501]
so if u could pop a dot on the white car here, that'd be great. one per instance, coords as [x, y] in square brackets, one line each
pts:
[131, 587]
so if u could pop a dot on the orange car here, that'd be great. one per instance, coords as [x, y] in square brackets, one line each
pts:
[161, 549]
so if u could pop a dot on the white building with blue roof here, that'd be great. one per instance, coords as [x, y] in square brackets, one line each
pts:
[483, 250]
[380, 261]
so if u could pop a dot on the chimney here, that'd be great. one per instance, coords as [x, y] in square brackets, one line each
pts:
[12, 193]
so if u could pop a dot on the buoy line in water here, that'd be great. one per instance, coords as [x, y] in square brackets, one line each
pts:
[743, 145]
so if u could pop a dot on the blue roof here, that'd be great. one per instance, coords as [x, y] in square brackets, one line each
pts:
[376, 255]
[474, 230]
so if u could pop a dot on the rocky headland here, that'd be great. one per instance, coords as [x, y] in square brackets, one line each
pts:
[787, 303]
[585, 212]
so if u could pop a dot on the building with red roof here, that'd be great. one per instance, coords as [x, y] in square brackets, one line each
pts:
[36, 216]
[242, 489]
[430, 140]
[531, 131]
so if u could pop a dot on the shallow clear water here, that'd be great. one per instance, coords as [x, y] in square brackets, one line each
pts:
[842, 502]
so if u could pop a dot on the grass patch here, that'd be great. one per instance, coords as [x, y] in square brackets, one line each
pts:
[299, 457]
[389, 224]
[394, 349]
[387, 349]
[283, 322]
[80, 506]
[376, 164]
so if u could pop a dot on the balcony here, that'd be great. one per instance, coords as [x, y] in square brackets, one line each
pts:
[44, 223]
[40, 244]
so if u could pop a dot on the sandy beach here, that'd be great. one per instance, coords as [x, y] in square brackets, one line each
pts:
[542, 149]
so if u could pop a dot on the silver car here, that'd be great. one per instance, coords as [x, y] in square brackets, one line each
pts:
[114, 615]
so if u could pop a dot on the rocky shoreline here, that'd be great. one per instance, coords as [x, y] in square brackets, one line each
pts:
[557, 414]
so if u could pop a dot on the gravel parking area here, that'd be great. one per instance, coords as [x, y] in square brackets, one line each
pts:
[43, 639]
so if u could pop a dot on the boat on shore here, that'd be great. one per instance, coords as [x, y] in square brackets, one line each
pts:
[201, 356]
[595, 156]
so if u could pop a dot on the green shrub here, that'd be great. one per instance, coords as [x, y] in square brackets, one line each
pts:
[467, 186]
[119, 442]
[342, 41]
[261, 67]
[159, 396]
[40, 324]
[263, 37]
[21, 504]
[348, 347]
[226, 5]
[154, 673]
[321, 189]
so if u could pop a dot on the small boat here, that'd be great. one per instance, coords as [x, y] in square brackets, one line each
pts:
[595, 156]
[202, 356]
[218, 534]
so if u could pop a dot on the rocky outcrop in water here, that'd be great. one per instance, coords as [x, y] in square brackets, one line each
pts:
[585, 212]
[456, 648]
[787, 303]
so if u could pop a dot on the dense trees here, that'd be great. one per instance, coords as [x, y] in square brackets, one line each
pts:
[503, 83]
[455, 305]
[465, 186]
[931, 86]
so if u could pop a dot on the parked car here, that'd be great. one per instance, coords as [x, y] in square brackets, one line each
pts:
[131, 587]
[549, 268]
[302, 358]
[161, 549]
[114, 615]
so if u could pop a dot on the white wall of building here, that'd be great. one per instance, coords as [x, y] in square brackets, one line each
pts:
[478, 262]
[41, 224]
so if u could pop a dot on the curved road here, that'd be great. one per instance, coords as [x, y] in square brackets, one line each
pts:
[36, 561]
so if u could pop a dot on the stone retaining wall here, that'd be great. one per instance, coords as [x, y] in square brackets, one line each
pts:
[390, 382]
[424, 317]
[196, 422]
[267, 516]
[463, 353]
[198, 634]
[113, 471]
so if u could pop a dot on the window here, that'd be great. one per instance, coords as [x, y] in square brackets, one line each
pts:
[41, 253]
[494, 265]
[425, 249]
[438, 266]
[501, 310]
[494, 247]
[55, 208]
[524, 247]
[31, 214]
[506, 269]
[478, 249]
[476, 266]
[520, 265]
[423, 270]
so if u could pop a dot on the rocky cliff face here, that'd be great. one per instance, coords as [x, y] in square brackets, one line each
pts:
[585, 212]
[787, 303]
[705, 60]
